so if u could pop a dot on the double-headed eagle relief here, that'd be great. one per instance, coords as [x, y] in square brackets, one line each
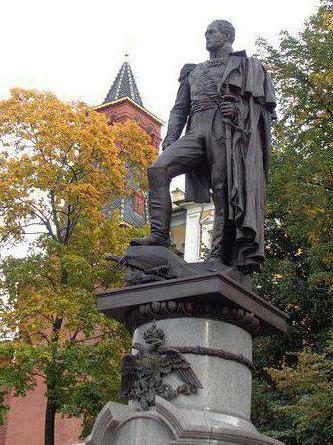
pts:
[143, 372]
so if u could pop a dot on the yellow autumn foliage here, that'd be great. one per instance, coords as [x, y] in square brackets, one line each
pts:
[62, 162]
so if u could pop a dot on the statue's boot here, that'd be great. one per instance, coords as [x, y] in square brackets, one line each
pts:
[220, 216]
[159, 202]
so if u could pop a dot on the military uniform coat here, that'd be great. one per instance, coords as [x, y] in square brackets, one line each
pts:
[248, 153]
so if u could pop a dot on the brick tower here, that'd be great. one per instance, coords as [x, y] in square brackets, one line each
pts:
[25, 421]
[123, 102]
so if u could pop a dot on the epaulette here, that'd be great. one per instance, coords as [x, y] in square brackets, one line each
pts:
[185, 71]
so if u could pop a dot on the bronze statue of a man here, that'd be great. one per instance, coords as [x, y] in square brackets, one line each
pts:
[227, 103]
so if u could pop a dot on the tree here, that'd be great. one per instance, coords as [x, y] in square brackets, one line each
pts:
[285, 282]
[298, 274]
[63, 167]
[306, 398]
[301, 187]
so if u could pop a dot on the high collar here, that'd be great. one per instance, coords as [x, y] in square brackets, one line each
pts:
[241, 53]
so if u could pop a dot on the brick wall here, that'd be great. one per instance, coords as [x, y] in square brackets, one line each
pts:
[126, 110]
[25, 421]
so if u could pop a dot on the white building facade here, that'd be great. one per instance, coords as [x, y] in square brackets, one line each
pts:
[191, 227]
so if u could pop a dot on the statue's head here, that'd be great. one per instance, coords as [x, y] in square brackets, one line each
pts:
[219, 33]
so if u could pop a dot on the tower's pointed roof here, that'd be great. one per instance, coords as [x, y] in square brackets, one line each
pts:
[124, 85]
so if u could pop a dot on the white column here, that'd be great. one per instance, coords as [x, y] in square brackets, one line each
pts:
[192, 233]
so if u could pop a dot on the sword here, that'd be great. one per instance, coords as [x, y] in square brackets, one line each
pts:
[228, 142]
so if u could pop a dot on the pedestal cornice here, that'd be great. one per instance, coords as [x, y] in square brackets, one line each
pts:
[212, 295]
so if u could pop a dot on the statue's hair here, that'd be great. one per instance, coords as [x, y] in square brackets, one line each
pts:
[227, 28]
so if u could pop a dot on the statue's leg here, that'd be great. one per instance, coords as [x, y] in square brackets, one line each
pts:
[178, 158]
[216, 251]
[222, 232]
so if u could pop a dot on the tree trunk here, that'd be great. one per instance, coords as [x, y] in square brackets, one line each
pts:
[50, 413]
[52, 378]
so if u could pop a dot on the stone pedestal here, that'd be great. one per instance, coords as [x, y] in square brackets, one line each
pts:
[211, 320]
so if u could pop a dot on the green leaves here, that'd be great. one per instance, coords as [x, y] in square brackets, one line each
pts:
[301, 185]
[292, 390]
[307, 393]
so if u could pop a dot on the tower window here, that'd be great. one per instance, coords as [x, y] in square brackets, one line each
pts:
[139, 204]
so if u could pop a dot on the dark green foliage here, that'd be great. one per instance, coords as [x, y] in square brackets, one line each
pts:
[293, 388]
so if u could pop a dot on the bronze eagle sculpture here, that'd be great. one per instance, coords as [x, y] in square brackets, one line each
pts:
[142, 373]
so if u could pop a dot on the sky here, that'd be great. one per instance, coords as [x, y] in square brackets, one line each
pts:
[75, 48]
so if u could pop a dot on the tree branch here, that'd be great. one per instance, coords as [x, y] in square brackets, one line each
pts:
[55, 216]
[50, 279]
[40, 215]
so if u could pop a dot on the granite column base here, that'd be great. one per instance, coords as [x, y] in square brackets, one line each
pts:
[219, 320]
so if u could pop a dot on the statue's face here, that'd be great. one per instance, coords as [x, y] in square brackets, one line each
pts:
[215, 37]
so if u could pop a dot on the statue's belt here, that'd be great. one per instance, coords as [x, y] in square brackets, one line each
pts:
[206, 104]
[216, 104]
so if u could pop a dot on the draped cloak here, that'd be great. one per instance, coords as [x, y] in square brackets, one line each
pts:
[247, 157]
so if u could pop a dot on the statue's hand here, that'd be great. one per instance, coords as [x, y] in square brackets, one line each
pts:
[166, 144]
[228, 109]
[172, 136]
